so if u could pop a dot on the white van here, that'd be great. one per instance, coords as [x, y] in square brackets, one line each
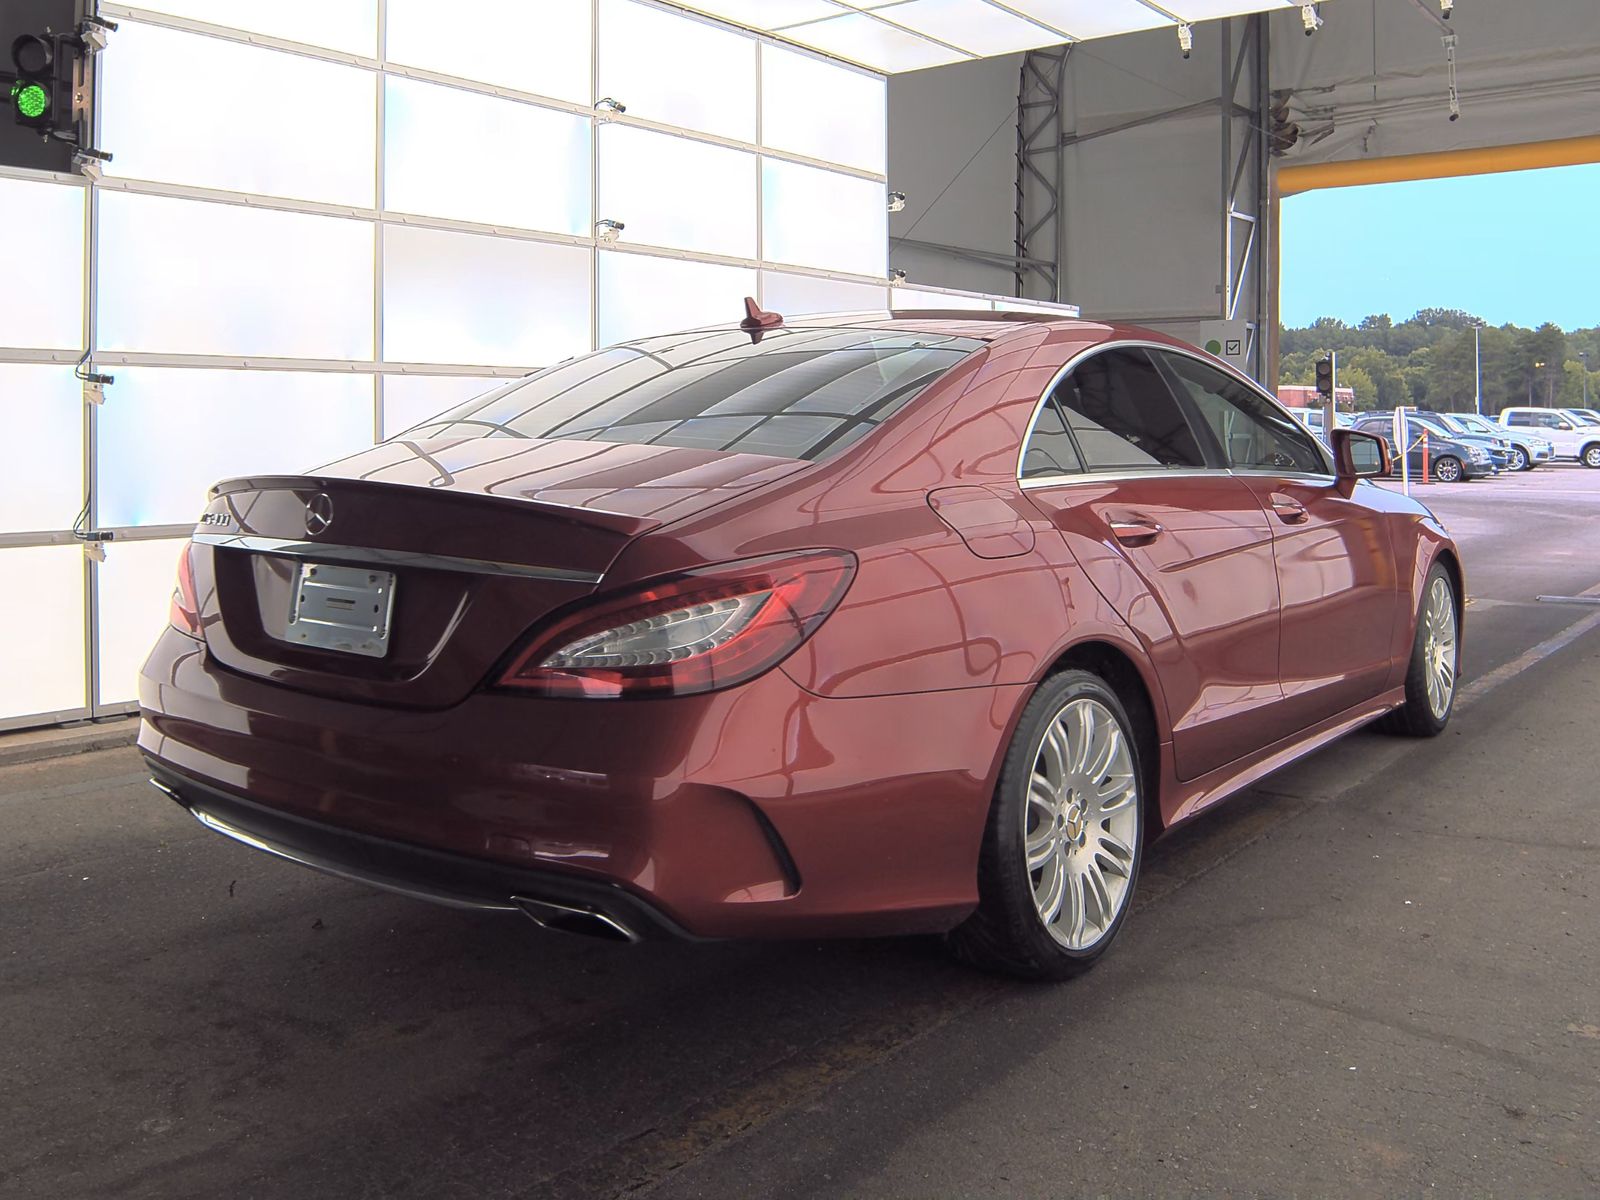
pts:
[1571, 438]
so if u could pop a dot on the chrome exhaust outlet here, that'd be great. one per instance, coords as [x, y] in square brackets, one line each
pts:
[564, 918]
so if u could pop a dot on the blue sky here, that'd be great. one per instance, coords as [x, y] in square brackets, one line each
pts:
[1522, 247]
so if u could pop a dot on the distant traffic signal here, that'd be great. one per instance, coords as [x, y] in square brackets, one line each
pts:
[33, 89]
[1325, 378]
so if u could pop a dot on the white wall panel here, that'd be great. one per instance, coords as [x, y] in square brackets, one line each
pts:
[824, 111]
[816, 218]
[677, 70]
[540, 47]
[176, 431]
[41, 592]
[190, 276]
[274, 123]
[471, 298]
[796, 294]
[673, 192]
[410, 399]
[47, 314]
[135, 597]
[348, 25]
[454, 153]
[41, 487]
[640, 295]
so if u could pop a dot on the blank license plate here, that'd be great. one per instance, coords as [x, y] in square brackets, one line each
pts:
[341, 608]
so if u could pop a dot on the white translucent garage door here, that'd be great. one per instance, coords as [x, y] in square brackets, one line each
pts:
[378, 211]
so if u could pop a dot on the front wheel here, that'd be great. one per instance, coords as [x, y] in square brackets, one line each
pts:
[1518, 460]
[1447, 469]
[1435, 661]
[1061, 851]
[1591, 455]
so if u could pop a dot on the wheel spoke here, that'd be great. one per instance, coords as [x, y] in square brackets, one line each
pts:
[1040, 846]
[1076, 927]
[1115, 853]
[1117, 793]
[1084, 719]
[1054, 754]
[1054, 889]
[1105, 753]
[1094, 884]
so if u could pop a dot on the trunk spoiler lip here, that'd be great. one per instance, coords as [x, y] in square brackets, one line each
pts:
[613, 522]
[379, 557]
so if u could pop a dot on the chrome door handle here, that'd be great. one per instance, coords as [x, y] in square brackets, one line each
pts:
[1289, 510]
[1136, 531]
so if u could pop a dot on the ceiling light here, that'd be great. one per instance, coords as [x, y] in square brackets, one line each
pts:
[1186, 39]
[1446, 7]
[1310, 19]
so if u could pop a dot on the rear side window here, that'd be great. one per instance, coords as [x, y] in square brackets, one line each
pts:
[797, 393]
[1050, 450]
[1122, 416]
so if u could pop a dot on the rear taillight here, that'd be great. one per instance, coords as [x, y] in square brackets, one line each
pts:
[706, 629]
[185, 613]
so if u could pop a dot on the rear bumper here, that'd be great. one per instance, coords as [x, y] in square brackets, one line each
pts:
[560, 901]
[761, 811]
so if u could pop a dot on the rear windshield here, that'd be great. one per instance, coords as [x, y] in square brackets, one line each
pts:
[797, 393]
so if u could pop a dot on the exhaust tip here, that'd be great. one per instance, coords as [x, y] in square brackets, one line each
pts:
[564, 918]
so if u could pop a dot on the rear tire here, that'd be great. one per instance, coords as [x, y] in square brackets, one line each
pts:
[1061, 850]
[1435, 661]
[1447, 469]
[1591, 455]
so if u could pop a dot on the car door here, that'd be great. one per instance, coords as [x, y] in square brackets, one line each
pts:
[1178, 546]
[1337, 580]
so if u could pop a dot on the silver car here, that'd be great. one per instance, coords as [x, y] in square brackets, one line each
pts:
[1527, 449]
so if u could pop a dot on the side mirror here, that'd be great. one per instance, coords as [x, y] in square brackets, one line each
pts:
[1565, 424]
[1359, 455]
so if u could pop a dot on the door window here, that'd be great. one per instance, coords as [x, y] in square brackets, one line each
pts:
[1122, 416]
[1255, 434]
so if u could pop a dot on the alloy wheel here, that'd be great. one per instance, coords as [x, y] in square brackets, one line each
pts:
[1519, 459]
[1081, 823]
[1591, 456]
[1447, 470]
[1439, 646]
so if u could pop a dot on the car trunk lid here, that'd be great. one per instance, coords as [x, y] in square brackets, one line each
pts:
[402, 574]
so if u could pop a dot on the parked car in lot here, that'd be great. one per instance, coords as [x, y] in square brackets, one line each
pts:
[1312, 419]
[1450, 459]
[1442, 426]
[1573, 438]
[1527, 449]
[845, 626]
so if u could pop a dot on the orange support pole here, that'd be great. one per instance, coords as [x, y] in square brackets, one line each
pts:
[1427, 475]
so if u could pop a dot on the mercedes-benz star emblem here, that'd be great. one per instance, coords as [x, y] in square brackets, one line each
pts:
[319, 514]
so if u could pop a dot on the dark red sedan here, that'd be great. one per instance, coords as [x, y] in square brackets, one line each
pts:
[853, 625]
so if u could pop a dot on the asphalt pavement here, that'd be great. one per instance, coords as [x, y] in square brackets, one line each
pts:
[1376, 974]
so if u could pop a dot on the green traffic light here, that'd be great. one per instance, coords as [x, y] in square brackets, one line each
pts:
[31, 99]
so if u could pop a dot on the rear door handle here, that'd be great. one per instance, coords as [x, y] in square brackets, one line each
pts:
[1290, 511]
[1135, 530]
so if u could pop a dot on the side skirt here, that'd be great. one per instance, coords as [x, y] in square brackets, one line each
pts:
[1180, 801]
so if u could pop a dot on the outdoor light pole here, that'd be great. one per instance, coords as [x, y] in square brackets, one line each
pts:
[1584, 355]
[1477, 370]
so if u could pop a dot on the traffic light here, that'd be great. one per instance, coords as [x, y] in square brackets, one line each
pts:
[1325, 378]
[33, 88]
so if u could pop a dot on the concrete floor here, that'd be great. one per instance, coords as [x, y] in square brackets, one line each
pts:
[1379, 973]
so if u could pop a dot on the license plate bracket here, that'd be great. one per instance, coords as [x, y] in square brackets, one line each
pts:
[342, 608]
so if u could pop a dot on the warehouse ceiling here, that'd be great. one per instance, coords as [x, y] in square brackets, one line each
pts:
[908, 35]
